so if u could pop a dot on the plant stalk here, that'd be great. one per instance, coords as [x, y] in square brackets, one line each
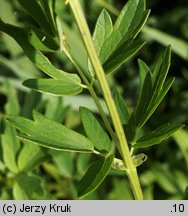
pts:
[123, 145]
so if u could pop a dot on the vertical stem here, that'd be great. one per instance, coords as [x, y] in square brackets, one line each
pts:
[90, 89]
[123, 145]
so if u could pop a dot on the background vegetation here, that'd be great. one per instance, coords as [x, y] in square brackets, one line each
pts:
[163, 175]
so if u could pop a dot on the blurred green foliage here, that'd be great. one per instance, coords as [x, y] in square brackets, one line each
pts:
[163, 176]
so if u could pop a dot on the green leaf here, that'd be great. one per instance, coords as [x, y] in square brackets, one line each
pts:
[179, 46]
[181, 138]
[50, 134]
[121, 107]
[27, 188]
[41, 40]
[153, 87]
[144, 99]
[165, 178]
[2, 125]
[121, 190]
[12, 105]
[64, 163]
[94, 176]
[35, 55]
[94, 130]
[49, 8]
[56, 87]
[157, 136]
[121, 55]
[35, 10]
[114, 43]
[185, 195]
[56, 110]
[143, 71]
[10, 146]
[103, 29]
[36, 155]
[161, 69]
[156, 100]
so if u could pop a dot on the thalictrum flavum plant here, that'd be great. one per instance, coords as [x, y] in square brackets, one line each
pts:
[110, 46]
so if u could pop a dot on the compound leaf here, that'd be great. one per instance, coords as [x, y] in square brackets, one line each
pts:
[156, 100]
[35, 55]
[118, 46]
[50, 134]
[153, 87]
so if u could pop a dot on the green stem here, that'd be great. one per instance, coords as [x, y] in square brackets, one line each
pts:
[85, 80]
[123, 145]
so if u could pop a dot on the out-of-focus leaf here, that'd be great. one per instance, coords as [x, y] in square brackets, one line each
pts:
[121, 191]
[12, 105]
[56, 110]
[2, 125]
[35, 10]
[164, 178]
[13, 65]
[7, 14]
[179, 46]
[157, 136]
[62, 87]
[148, 193]
[94, 176]
[50, 134]
[30, 156]
[5, 195]
[10, 143]
[82, 163]
[64, 163]
[49, 8]
[94, 130]
[10, 147]
[27, 188]
[181, 138]
[121, 107]
[185, 197]
[32, 99]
